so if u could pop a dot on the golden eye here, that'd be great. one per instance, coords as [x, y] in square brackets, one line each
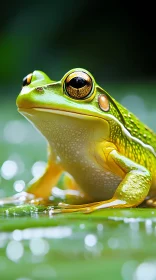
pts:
[27, 80]
[78, 85]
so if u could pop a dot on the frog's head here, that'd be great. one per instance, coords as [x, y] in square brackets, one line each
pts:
[76, 93]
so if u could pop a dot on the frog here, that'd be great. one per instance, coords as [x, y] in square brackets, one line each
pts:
[107, 155]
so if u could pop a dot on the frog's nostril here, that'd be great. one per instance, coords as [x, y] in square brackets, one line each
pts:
[40, 89]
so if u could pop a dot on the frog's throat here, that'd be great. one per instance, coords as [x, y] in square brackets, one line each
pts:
[27, 112]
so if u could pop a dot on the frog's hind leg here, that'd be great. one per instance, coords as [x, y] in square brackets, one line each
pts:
[131, 192]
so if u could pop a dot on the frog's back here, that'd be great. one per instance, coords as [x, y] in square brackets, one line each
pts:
[138, 129]
[138, 142]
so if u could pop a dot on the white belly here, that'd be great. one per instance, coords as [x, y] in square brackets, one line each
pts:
[70, 139]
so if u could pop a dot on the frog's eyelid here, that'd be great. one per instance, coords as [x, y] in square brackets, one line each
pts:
[51, 84]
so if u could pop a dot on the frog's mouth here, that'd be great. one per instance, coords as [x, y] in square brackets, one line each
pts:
[51, 122]
[78, 110]
[31, 111]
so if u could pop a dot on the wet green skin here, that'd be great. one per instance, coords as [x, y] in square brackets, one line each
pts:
[121, 144]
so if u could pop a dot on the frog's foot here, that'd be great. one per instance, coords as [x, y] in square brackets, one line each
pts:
[151, 202]
[91, 207]
[21, 198]
[64, 206]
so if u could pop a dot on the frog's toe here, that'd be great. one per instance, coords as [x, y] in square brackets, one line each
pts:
[75, 206]
[66, 210]
[19, 199]
[91, 207]
[69, 208]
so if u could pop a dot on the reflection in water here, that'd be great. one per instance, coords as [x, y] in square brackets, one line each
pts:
[49, 232]
[82, 226]
[113, 243]
[44, 271]
[14, 250]
[39, 246]
[148, 226]
[17, 235]
[128, 268]
[100, 227]
[96, 241]
[90, 240]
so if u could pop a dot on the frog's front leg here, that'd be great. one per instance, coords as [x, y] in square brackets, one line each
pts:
[56, 183]
[38, 190]
[133, 189]
[42, 187]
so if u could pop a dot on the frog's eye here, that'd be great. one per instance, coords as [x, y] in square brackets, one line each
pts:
[27, 80]
[78, 85]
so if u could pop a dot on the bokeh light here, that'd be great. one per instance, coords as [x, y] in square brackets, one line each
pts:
[39, 246]
[38, 169]
[14, 250]
[146, 270]
[9, 169]
[19, 185]
[90, 240]
[15, 131]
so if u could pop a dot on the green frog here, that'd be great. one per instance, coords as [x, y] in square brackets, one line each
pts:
[107, 156]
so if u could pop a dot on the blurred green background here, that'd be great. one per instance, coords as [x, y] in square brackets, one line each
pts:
[113, 41]
[116, 43]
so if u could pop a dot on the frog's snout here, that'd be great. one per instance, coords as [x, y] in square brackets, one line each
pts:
[24, 101]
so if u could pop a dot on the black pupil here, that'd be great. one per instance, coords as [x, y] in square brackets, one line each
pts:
[25, 81]
[77, 82]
